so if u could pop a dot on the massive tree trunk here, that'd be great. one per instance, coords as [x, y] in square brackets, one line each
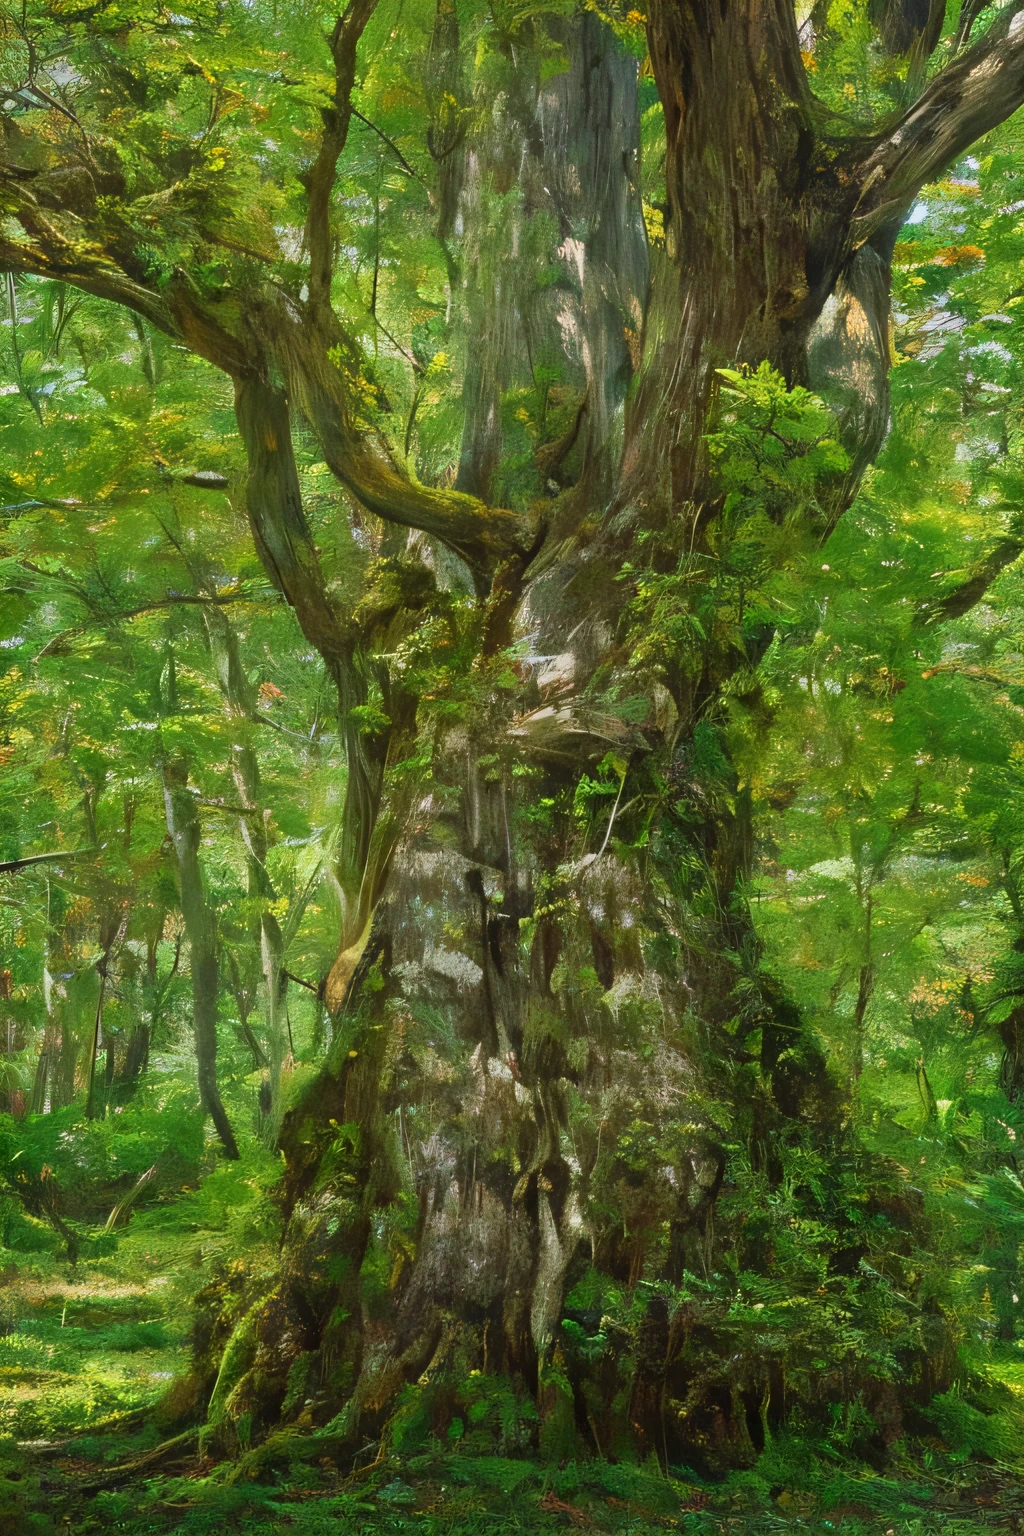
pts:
[524, 1062]
[520, 1069]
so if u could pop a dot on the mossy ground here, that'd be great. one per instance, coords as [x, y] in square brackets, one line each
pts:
[446, 1495]
[87, 1354]
[80, 1354]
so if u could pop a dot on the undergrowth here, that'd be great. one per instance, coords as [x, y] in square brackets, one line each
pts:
[89, 1351]
[794, 1486]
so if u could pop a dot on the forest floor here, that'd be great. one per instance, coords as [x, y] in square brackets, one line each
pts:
[87, 1352]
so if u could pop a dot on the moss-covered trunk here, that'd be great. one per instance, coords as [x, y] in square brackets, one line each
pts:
[564, 1102]
[552, 1022]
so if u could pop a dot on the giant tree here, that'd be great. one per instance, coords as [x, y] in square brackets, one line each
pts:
[552, 1026]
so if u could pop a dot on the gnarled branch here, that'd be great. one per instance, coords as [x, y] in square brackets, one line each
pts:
[972, 95]
[273, 502]
[483, 536]
[47, 252]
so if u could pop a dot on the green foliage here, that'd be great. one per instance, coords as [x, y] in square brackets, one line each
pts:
[774, 448]
[19, 1492]
[776, 460]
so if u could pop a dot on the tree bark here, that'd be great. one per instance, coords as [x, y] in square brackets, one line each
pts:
[553, 176]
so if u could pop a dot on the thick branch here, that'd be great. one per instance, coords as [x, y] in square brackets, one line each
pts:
[303, 344]
[907, 27]
[273, 502]
[14, 865]
[47, 253]
[482, 536]
[176, 310]
[974, 94]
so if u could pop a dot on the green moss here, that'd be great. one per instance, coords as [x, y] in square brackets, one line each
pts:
[559, 1437]
[236, 1360]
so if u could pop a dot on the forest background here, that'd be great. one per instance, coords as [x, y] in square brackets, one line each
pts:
[365, 949]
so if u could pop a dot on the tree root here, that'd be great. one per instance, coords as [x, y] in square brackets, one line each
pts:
[130, 1469]
[119, 1423]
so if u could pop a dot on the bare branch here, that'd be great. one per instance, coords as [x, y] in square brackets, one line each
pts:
[979, 674]
[317, 988]
[259, 718]
[12, 866]
[15, 508]
[403, 162]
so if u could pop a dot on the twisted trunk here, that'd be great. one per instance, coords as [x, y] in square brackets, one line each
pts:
[518, 1029]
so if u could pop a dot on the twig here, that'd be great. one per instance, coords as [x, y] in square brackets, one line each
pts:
[309, 985]
[14, 865]
[615, 812]
[406, 167]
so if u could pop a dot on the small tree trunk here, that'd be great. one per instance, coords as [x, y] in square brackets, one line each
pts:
[274, 990]
[38, 1099]
[200, 926]
[58, 1082]
[136, 1059]
[90, 1097]
[240, 702]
